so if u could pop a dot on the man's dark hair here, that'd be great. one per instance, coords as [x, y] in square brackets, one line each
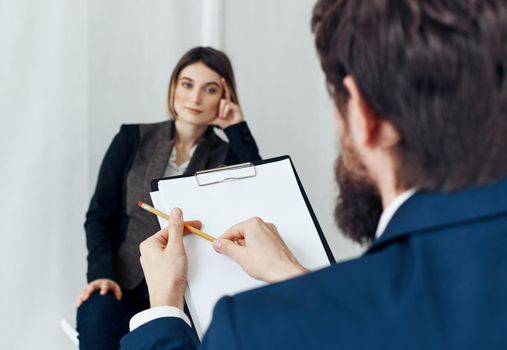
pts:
[435, 69]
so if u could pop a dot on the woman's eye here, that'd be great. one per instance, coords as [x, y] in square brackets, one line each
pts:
[186, 85]
[211, 90]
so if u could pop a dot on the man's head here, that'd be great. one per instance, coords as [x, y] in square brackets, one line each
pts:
[420, 88]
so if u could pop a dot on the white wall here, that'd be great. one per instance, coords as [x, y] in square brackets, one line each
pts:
[133, 48]
[72, 72]
[44, 168]
[283, 94]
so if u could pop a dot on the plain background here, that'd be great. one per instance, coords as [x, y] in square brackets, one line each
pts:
[71, 72]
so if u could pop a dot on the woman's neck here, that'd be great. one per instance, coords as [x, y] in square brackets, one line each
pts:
[187, 134]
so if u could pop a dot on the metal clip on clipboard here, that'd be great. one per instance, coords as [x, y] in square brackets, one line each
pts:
[226, 173]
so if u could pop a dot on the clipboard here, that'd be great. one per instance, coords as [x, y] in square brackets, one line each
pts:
[222, 197]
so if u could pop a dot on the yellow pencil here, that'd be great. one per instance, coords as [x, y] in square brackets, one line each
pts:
[192, 229]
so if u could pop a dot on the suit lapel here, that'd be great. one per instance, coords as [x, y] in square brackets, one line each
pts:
[201, 154]
[429, 211]
[163, 147]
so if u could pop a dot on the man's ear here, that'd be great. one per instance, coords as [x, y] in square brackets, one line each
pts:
[366, 127]
[360, 121]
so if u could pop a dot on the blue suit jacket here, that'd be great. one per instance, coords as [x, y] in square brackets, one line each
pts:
[436, 279]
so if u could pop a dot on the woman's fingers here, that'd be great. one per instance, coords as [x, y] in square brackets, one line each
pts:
[226, 89]
[220, 108]
[85, 294]
[91, 288]
[103, 285]
[104, 288]
[80, 299]
[223, 104]
[227, 109]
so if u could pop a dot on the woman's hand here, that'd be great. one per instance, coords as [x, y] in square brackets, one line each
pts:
[259, 249]
[229, 113]
[105, 285]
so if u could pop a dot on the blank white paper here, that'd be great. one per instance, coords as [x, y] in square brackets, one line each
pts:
[273, 195]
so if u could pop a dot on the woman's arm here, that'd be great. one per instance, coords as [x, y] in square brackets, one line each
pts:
[103, 216]
[242, 146]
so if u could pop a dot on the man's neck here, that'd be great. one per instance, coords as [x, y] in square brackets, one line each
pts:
[383, 171]
[392, 196]
[387, 188]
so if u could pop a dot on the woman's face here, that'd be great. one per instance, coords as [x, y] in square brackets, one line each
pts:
[197, 94]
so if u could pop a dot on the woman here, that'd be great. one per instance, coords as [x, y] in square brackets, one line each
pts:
[202, 94]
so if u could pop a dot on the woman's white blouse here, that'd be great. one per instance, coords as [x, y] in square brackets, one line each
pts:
[172, 169]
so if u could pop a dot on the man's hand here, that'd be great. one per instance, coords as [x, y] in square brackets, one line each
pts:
[164, 263]
[259, 249]
[105, 285]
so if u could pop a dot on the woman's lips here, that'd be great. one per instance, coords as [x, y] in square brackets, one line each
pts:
[193, 110]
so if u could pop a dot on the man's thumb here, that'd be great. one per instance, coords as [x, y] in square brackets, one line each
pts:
[226, 247]
[176, 225]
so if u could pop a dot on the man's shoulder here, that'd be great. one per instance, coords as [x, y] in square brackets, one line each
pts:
[305, 312]
[422, 286]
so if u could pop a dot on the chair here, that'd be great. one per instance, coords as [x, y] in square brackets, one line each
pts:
[69, 330]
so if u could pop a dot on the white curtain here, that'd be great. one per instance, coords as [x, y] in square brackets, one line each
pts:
[72, 71]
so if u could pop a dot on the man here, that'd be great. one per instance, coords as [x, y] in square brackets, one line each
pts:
[420, 89]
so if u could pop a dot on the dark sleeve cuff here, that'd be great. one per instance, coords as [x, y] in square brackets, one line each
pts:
[242, 146]
[101, 267]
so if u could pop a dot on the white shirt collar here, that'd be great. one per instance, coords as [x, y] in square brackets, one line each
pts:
[391, 209]
[183, 166]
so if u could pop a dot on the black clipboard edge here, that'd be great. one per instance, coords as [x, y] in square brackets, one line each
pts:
[322, 237]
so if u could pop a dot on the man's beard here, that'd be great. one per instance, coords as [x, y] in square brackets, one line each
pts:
[359, 204]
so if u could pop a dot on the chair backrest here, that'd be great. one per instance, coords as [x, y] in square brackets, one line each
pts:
[69, 330]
